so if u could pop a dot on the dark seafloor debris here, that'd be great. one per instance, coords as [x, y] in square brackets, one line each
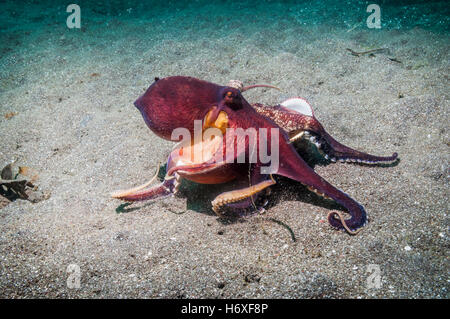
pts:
[371, 53]
[367, 52]
[10, 115]
[18, 183]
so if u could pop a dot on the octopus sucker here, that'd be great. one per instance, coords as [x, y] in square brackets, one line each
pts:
[327, 151]
[317, 192]
[177, 183]
[240, 194]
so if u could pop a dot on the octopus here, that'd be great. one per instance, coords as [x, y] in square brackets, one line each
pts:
[222, 137]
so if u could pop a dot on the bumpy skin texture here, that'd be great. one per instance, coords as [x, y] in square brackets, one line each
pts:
[177, 101]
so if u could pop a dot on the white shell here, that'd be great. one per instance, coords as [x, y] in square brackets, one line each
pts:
[299, 105]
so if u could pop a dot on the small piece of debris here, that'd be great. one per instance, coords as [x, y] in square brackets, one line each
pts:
[367, 52]
[14, 184]
[9, 115]
[148, 256]
[120, 236]
[7, 172]
[395, 60]
[29, 172]
[252, 278]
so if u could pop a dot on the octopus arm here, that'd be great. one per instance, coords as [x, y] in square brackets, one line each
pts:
[294, 167]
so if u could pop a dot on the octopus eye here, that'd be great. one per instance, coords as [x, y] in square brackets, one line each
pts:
[229, 96]
[232, 98]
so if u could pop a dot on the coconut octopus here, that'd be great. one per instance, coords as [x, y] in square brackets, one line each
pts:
[198, 106]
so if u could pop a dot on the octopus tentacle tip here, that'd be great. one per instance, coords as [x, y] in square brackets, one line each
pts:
[240, 86]
[342, 223]
[246, 88]
[124, 193]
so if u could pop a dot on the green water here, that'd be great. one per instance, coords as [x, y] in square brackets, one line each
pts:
[433, 15]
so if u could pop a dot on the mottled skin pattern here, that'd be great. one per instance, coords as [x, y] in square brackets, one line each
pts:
[177, 101]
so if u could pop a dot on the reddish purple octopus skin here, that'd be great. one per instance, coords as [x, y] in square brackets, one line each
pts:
[177, 101]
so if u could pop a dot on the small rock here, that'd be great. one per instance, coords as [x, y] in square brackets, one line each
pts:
[120, 236]
[148, 256]
[252, 278]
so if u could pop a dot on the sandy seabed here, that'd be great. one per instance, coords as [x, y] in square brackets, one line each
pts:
[72, 92]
